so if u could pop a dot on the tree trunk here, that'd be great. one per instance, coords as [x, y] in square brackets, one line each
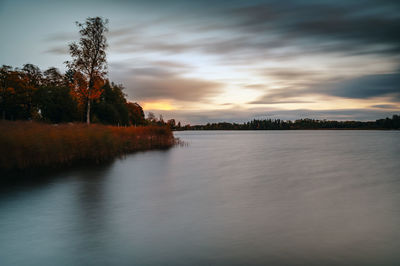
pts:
[88, 110]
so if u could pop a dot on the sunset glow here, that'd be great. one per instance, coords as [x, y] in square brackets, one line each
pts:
[157, 106]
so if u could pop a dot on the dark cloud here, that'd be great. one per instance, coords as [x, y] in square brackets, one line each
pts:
[62, 37]
[268, 26]
[242, 32]
[256, 86]
[152, 83]
[282, 95]
[151, 72]
[385, 106]
[173, 87]
[290, 74]
[363, 87]
[60, 50]
[326, 25]
[171, 64]
[267, 100]
[122, 32]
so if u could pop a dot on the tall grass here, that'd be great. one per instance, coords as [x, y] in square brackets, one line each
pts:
[29, 144]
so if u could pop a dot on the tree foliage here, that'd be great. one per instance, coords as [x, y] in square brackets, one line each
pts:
[278, 124]
[56, 97]
[89, 58]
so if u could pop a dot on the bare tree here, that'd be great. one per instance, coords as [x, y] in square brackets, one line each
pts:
[89, 55]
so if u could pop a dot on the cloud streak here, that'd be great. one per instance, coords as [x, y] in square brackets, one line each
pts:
[248, 55]
[153, 83]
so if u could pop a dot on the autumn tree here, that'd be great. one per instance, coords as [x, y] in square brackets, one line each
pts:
[79, 89]
[16, 94]
[136, 114]
[171, 123]
[89, 57]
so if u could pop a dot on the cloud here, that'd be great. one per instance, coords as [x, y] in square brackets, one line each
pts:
[62, 37]
[386, 106]
[326, 25]
[290, 74]
[267, 100]
[282, 95]
[264, 28]
[157, 82]
[171, 64]
[60, 50]
[172, 87]
[363, 87]
[284, 49]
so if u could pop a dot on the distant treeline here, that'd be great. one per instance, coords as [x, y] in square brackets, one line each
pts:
[277, 124]
[50, 96]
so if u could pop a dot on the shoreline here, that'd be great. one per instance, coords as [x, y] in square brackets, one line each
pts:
[32, 145]
[293, 129]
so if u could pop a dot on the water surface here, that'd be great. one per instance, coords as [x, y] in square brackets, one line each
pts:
[228, 198]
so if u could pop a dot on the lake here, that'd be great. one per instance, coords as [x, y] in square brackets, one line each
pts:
[227, 198]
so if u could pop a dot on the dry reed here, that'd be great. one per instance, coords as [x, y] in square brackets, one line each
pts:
[29, 144]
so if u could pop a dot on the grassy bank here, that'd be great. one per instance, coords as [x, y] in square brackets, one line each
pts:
[29, 145]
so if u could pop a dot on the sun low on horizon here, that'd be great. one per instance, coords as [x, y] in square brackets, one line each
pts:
[211, 61]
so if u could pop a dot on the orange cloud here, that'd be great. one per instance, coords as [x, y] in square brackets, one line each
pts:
[157, 105]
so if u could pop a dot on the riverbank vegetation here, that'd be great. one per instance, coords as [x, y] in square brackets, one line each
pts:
[277, 124]
[50, 96]
[43, 112]
[31, 145]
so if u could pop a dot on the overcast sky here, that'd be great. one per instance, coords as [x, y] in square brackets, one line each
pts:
[207, 61]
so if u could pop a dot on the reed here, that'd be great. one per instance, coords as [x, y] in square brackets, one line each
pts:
[29, 144]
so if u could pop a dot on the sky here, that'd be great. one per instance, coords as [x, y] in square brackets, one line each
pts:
[209, 61]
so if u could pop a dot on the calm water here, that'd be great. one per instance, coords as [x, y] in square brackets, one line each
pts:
[228, 198]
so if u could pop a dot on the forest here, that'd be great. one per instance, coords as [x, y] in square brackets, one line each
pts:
[278, 124]
[28, 93]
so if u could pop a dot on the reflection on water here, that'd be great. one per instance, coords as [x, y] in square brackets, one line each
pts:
[229, 198]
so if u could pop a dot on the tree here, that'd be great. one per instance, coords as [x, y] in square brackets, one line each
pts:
[151, 118]
[4, 74]
[17, 97]
[171, 123]
[136, 114]
[53, 78]
[56, 104]
[111, 107]
[82, 95]
[89, 56]
[33, 74]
